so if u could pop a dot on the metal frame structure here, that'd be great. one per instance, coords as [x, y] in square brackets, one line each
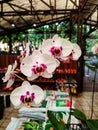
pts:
[16, 15]
[25, 14]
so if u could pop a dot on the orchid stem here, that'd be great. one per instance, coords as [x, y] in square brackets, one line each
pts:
[19, 77]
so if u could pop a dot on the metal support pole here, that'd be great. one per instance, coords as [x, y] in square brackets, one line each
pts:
[93, 90]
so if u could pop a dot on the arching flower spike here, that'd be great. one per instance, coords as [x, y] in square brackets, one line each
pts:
[38, 64]
[9, 75]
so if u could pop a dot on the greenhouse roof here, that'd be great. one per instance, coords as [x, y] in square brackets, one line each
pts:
[18, 15]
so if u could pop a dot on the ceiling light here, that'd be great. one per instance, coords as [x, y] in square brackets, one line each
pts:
[34, 25]
[46, 26]
[56, 23]
[13, 25]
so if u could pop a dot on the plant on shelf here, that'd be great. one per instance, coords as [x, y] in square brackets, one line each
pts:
[43, 62]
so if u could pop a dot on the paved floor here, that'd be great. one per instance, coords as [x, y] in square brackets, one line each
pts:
[82, 102]
[89, 78]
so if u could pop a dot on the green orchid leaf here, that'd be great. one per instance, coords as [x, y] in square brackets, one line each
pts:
[58, 125]
[79, 115]
[62, 126]
[60, 115]
[92, 124]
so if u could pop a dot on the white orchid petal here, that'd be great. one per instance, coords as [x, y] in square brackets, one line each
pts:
[26, 83]
[46, 45]
[15, 97]
[37, 59]
[50, 62]
[26, 66]
[27, 48]
[77, 52]
[6, 77]
[39, 94]
[9, 68]
[10, 83]
[47, 75]
[67, 48]
[57, 42]
[51, 68]
[34, 76]
[10, 71]
[17, 92]
[14, 65]
[57, 63]
[56, 36]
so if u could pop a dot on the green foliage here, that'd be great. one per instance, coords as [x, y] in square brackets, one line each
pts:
[92, 124]
[4, 39]
[79, 115]
[36, 35]
[90, 43]
[32, 125]
[58, 125]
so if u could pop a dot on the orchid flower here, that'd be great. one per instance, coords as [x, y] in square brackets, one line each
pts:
[58, 47]
[26, 51]
[38, 64]
[27, 94]
[94, 49]
[75, 53]
[9, 75]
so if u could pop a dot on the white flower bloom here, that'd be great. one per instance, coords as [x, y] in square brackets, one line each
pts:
[76, 52]
[59, 47]
[20, 95]
[9, 75]
[94, 49]
[25, 52]
[38, 64]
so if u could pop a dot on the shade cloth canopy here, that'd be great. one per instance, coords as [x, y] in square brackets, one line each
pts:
[16, 15]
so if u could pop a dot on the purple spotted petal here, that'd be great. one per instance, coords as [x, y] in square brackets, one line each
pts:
[27, 93]
[22, 98]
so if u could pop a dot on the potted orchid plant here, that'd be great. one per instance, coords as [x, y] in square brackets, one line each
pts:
[43, 62]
